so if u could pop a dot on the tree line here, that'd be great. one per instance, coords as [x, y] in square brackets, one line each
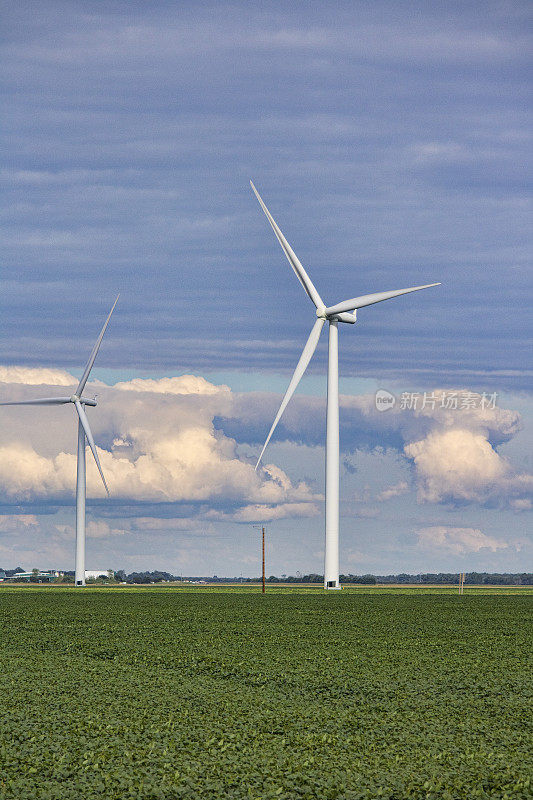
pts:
[472, 578]
[158, 576]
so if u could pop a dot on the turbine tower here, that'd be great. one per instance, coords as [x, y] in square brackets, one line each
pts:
[84, 434]
[345, 311]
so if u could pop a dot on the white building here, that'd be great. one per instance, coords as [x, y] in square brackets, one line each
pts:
[39, 575]
[96, 573]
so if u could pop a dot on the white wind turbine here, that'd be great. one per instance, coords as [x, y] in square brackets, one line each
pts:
[341, 312]
[84, 432]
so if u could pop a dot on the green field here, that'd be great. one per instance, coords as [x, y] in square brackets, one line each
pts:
[174, 693]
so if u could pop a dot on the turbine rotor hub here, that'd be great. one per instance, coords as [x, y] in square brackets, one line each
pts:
[321, 312]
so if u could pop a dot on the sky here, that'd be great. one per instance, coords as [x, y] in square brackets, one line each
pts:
[391, 143]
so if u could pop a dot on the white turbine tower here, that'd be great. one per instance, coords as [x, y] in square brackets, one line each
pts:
[84, 433]
[341, 312]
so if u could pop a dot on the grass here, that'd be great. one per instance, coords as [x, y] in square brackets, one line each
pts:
[215, 692]
[276, 588]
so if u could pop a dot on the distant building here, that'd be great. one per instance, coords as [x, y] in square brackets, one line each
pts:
[2, 575]
[97, 573]
[42, 576]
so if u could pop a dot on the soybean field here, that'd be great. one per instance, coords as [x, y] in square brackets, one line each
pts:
[198, 694]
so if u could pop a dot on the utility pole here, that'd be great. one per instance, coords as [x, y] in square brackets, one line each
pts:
[263, 589]
[263, 551]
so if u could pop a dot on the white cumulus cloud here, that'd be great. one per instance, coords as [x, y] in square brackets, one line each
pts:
[35, 376]
[182, 384]
[264, 513]
[458, 541]
[402, 487]
[458, 465]
[451, 437]
[160, 446]
[95, 529]
[11, 523]
[158, 443]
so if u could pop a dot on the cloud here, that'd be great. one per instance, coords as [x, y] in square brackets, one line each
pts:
[393, 491]
[25, 475]
[450, 436]
[34, 376]
[177, 440]
[264, 513]
[99, 529]
[522, 504]
[172, 524]
[102, 529]
[15, 523]
[183, 384]
[365, 513]
[363, 426]
[95, 529]
[458, 541]
[162, 448]
[460, 466]
[114, 184]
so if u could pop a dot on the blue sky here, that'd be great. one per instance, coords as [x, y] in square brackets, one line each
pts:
[391, 143]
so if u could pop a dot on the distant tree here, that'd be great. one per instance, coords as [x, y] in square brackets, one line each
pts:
[313, 578]
[366, 579]
[11, 572]
[34, 575]
[149, 577]
[403, 578]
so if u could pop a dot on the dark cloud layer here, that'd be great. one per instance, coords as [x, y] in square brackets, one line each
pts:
[389, 142]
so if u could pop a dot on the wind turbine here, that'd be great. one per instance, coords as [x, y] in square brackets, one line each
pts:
[84, 433]
[346, 311]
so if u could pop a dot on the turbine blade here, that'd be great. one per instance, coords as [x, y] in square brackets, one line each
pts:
[370, 299]
[305, 358]
[90, 362]
[43, 401]
[301, 274]
[86, 427]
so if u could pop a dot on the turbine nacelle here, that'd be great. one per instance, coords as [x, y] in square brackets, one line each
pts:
[322, 313]
[83, 400]
[343, 317]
